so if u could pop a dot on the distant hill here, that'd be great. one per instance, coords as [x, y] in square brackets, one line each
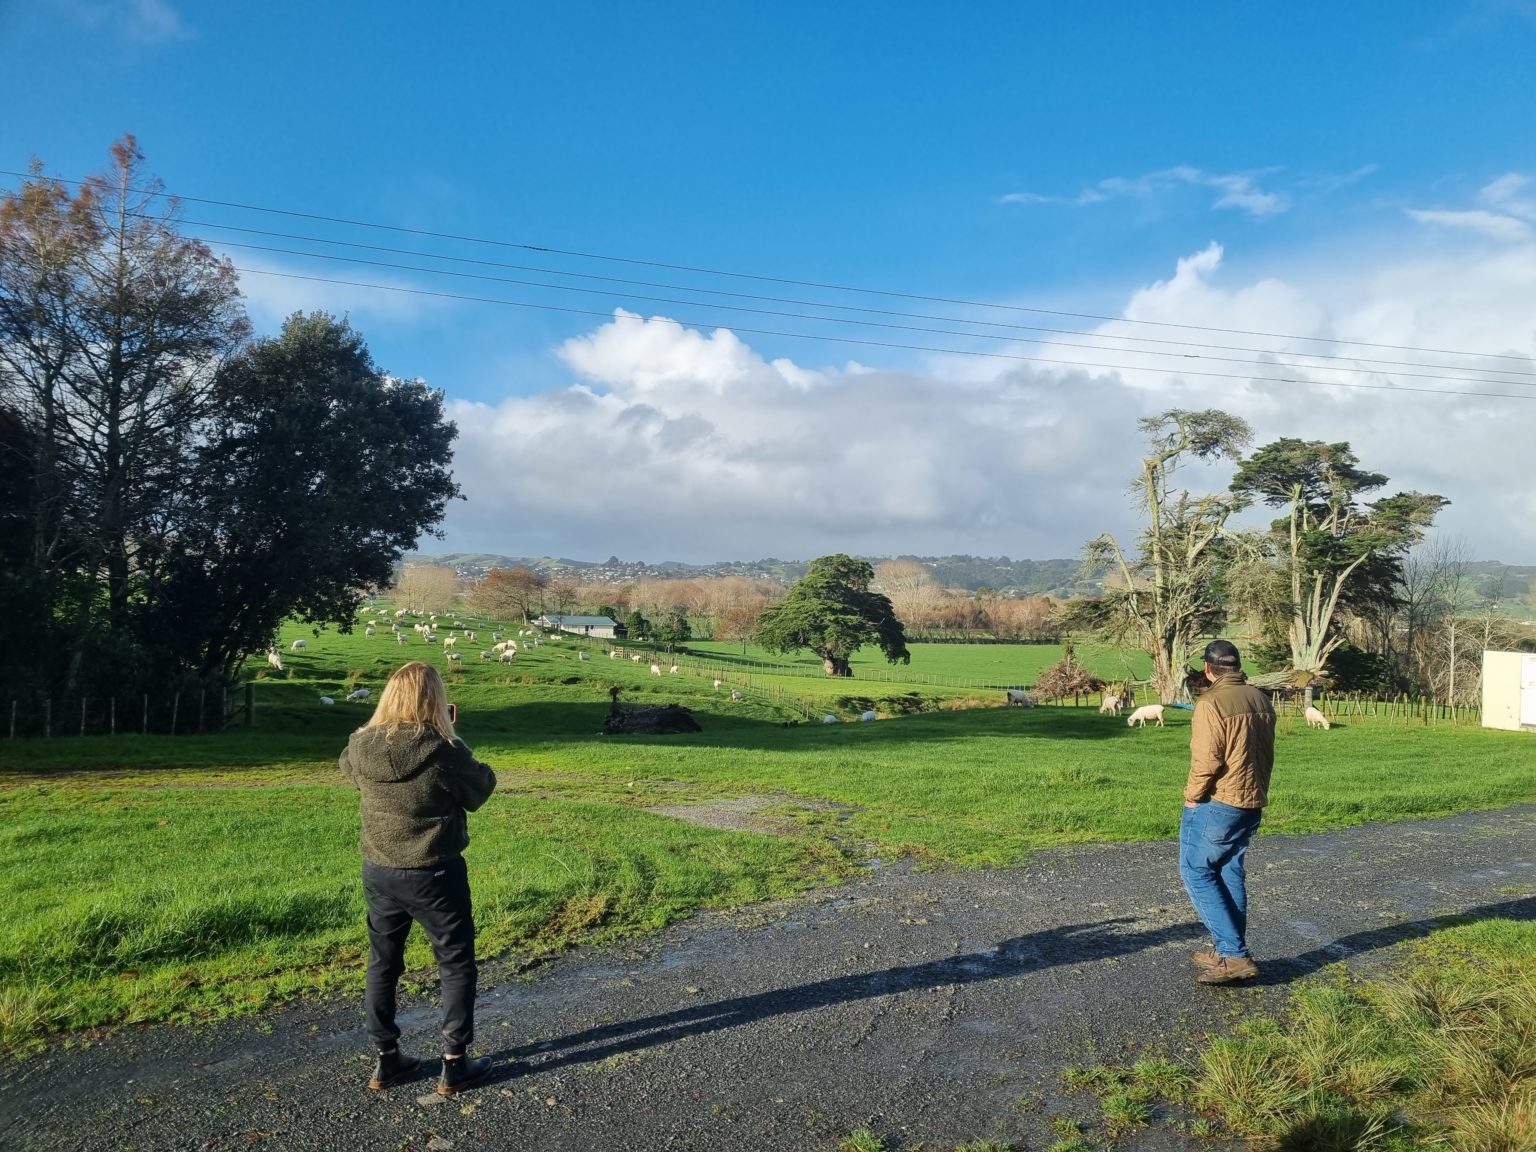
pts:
[1059, 578]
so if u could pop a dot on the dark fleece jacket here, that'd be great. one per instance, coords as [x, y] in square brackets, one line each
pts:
[416, 789]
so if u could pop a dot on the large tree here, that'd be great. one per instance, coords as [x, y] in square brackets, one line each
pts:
[833, 612]
[113, 327]
[509, 594]
[1167, 594]
[319, 471]
[1331, 550]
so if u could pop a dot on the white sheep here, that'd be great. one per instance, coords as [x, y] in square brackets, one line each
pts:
[454, 657]
[655, 669]
[450, 642]
[399, 637]
[869, 715]
[1315, 719]
[582, 656]
[636, 657]
[1020, 697]
[274, 660]
[507, 657]
[484, 655]
[718, 682]
[1111, 706]
[735, 695]
[368, 631]
[613, 653]
[1139, 718]
[470, 636]
[673, 670]
[358, 694]
[326, 700]
[827, 719]
[299, 646]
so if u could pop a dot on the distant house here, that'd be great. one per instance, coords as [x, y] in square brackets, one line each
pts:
[599, 627]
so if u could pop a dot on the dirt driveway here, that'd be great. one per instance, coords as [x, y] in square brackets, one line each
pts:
[935, 1007]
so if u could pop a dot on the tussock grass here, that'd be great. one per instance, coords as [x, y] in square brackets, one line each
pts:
[1438, 1053]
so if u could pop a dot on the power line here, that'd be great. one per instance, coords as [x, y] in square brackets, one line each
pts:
[885, 343]
[823, 319]
[541, 270]
[826, 286]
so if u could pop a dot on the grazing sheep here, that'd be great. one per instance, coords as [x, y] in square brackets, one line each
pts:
[613, 653]
[582, 656]
[470, 636]
[368, 631]
[869, 715]
[718, 683]
[274, 660]
[1110, 707]
[399, 637]
[636, 657]
[735, 695]
[484, 655]
[1139, 718]
[655, 669]
[1315, 719]
[450, 642]
[358, 694]
[454, 656]
[673, 670]
[299, 646]
[827, 719]
[326, 700]
[507, 657]
[1020, 697]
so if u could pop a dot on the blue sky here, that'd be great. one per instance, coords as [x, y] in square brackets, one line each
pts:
[1362, 170]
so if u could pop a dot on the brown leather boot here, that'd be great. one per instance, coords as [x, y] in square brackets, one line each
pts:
[1227, 969]
[1205, 957]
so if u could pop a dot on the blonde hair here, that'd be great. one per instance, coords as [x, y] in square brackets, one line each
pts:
[416, 697]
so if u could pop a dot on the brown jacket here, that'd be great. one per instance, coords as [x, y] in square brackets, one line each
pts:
[1231, 744]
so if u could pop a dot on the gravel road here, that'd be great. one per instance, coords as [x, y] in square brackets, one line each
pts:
[934, 1006]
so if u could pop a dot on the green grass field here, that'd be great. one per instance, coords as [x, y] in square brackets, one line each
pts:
[172, 878]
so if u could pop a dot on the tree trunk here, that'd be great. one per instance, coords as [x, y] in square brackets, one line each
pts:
[836, 665]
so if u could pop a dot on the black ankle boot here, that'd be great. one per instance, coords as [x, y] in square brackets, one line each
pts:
[391, 1068]
[462, 1073]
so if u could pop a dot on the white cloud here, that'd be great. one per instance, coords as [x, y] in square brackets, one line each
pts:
[671, 443]
[1507, 217]
[142, 21]
[1236, 190]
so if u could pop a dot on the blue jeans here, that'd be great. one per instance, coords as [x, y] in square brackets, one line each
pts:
[1213, 840]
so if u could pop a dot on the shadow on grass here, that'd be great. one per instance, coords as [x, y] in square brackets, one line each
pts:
[1048, 948]
[1287, 969]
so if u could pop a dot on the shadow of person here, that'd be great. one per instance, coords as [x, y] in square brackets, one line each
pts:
[1286, 969]
[1072, 944]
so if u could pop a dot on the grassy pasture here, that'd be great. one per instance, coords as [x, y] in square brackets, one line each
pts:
[158, 877]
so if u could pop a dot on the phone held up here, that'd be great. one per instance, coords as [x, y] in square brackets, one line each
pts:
[453, 713]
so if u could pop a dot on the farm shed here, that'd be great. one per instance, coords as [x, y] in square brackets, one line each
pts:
[1509, 691]
[601, 627]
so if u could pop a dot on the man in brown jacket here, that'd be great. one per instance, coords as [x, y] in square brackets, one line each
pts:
[1231, 753]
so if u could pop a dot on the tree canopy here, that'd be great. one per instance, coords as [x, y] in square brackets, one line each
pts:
[833, 612]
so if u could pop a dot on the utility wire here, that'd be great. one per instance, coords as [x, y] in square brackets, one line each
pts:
[545, 271]
[887, 344]
[826, 286]
[824, 319]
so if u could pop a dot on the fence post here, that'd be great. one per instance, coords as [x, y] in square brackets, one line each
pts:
[223, 707]
[47, 717]
[145, 728]
[112, 716]
[250, 704]
[202, 697]
[175, 710]
[13, 719]
[83, 701]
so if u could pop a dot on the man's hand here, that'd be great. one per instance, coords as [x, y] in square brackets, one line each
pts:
[1190, 804]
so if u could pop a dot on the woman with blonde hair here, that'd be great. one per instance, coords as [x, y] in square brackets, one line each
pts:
[418, 780]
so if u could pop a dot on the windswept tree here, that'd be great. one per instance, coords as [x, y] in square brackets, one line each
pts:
[1330, 551]
[833, 612]
[1166, 595]
[509, 594]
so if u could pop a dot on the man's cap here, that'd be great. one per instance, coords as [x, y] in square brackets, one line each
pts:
[1222, 654]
